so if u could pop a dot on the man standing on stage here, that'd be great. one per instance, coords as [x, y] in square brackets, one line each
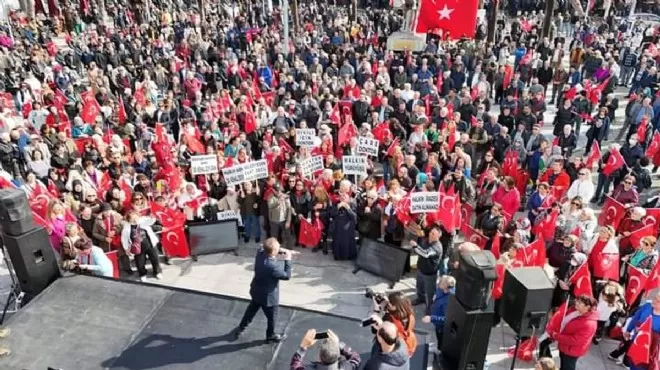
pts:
[264, 289]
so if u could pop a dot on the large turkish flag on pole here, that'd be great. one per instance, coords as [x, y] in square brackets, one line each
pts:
[451, 16]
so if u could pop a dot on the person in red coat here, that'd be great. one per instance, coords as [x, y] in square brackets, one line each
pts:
[630, 224]
[575, 331]
[556, 176]
[508, 197]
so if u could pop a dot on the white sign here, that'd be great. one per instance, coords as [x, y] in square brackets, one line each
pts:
[305, 137]
[354, 165]
[311, 165]
[229, 215]
[255, 170]
[203, 164]
[234, 175]
[367, 146]
[241, 173]
[425, 201]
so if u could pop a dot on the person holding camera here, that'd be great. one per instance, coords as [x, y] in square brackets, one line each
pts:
[333, 354]
[429, 257]
[389, 350]
[398, 311]
[264, 289]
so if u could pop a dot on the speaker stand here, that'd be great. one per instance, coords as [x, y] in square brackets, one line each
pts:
[15, 295]
[515, 352]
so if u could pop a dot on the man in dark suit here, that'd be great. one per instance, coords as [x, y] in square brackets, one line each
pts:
[264, 289]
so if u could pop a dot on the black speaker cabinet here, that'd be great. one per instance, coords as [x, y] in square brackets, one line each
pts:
[526, 299]
[465, 336]
[474, 277]
[34, 260]
[15, 213]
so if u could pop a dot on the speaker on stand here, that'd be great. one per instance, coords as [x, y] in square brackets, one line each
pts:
[26, 250]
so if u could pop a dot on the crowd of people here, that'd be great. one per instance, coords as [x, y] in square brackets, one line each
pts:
[102, 133]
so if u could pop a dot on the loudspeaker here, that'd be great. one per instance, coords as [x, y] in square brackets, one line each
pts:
[15, 214]
[33, 259]
[526, 299]
[465, 336]
[475, 273]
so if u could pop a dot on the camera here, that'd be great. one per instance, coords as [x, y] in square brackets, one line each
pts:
[377, 296]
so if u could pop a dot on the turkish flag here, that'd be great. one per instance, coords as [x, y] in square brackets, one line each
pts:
[284, 146]
[554, 323]
[90, 111]
[612, 213]
[654, 279]
[498, 286]
[636, 282]
[447, 212]
[640, 350]
[194, 204]
[194, 144]
[508, 75]
[380, 131]
[581, 281]
[594, 155]
[250, 123]
[533, 254]
[173, 237]
[310, 233]
[393, 145]
[641, 130]
[335, 117]
[456, 19]
[495, 245]
[654, 146]
[636, 236]
[615, 162]
[652, 217]
[346, 132]
[547, 226]
[269, 98]
[571, 93]
[466, 213]
[121, 115]
[607, 266]
[472, 235]
[438, 82]
[256, 90]
[402, 210]
[451, 139]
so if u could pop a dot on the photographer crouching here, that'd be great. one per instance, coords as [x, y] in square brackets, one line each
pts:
[398, 311]
[333, 354]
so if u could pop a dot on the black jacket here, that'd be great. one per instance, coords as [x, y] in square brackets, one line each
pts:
[268, 272]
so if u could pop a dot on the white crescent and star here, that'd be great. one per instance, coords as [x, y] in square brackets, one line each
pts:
[445, 12]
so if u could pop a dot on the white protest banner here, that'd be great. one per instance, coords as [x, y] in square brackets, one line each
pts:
[425, 201]
[203, 164]
[367, 146]
[354, 165]
[229, 215]
[234, 175]
[255, 170]
[311, 165]
[305, 137]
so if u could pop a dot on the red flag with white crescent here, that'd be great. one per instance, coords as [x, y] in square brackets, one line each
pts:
[640, 350]
[612, 213]
[594, 155]
[472, 235]
[636, 236]
[614, 162]
[607, 266]
[636, 282]
[653, 281]
[581, 281]
[654, 146]
[533, 254]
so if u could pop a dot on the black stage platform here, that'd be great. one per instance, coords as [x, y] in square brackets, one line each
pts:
[83, 322]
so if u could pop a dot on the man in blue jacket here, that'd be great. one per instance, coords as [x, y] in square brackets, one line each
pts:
[446, 285]
[264, 289]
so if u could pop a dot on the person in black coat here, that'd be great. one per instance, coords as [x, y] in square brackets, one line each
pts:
[490, 223]
[264, 289]
[342, 228]
[565, 116]
[369, 216]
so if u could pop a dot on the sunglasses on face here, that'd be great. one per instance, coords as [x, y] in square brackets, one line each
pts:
[583, 174]
[628, 182]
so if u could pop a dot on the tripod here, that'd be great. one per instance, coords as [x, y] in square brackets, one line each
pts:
[15, 295]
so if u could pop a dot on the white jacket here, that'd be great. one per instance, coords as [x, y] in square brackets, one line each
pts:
[126, 234]
[584, 189]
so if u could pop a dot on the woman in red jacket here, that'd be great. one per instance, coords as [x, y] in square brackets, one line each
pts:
[576, 331]
[508, 197]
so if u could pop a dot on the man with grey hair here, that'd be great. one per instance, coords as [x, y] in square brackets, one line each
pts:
[333, 354]
[389, 352]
